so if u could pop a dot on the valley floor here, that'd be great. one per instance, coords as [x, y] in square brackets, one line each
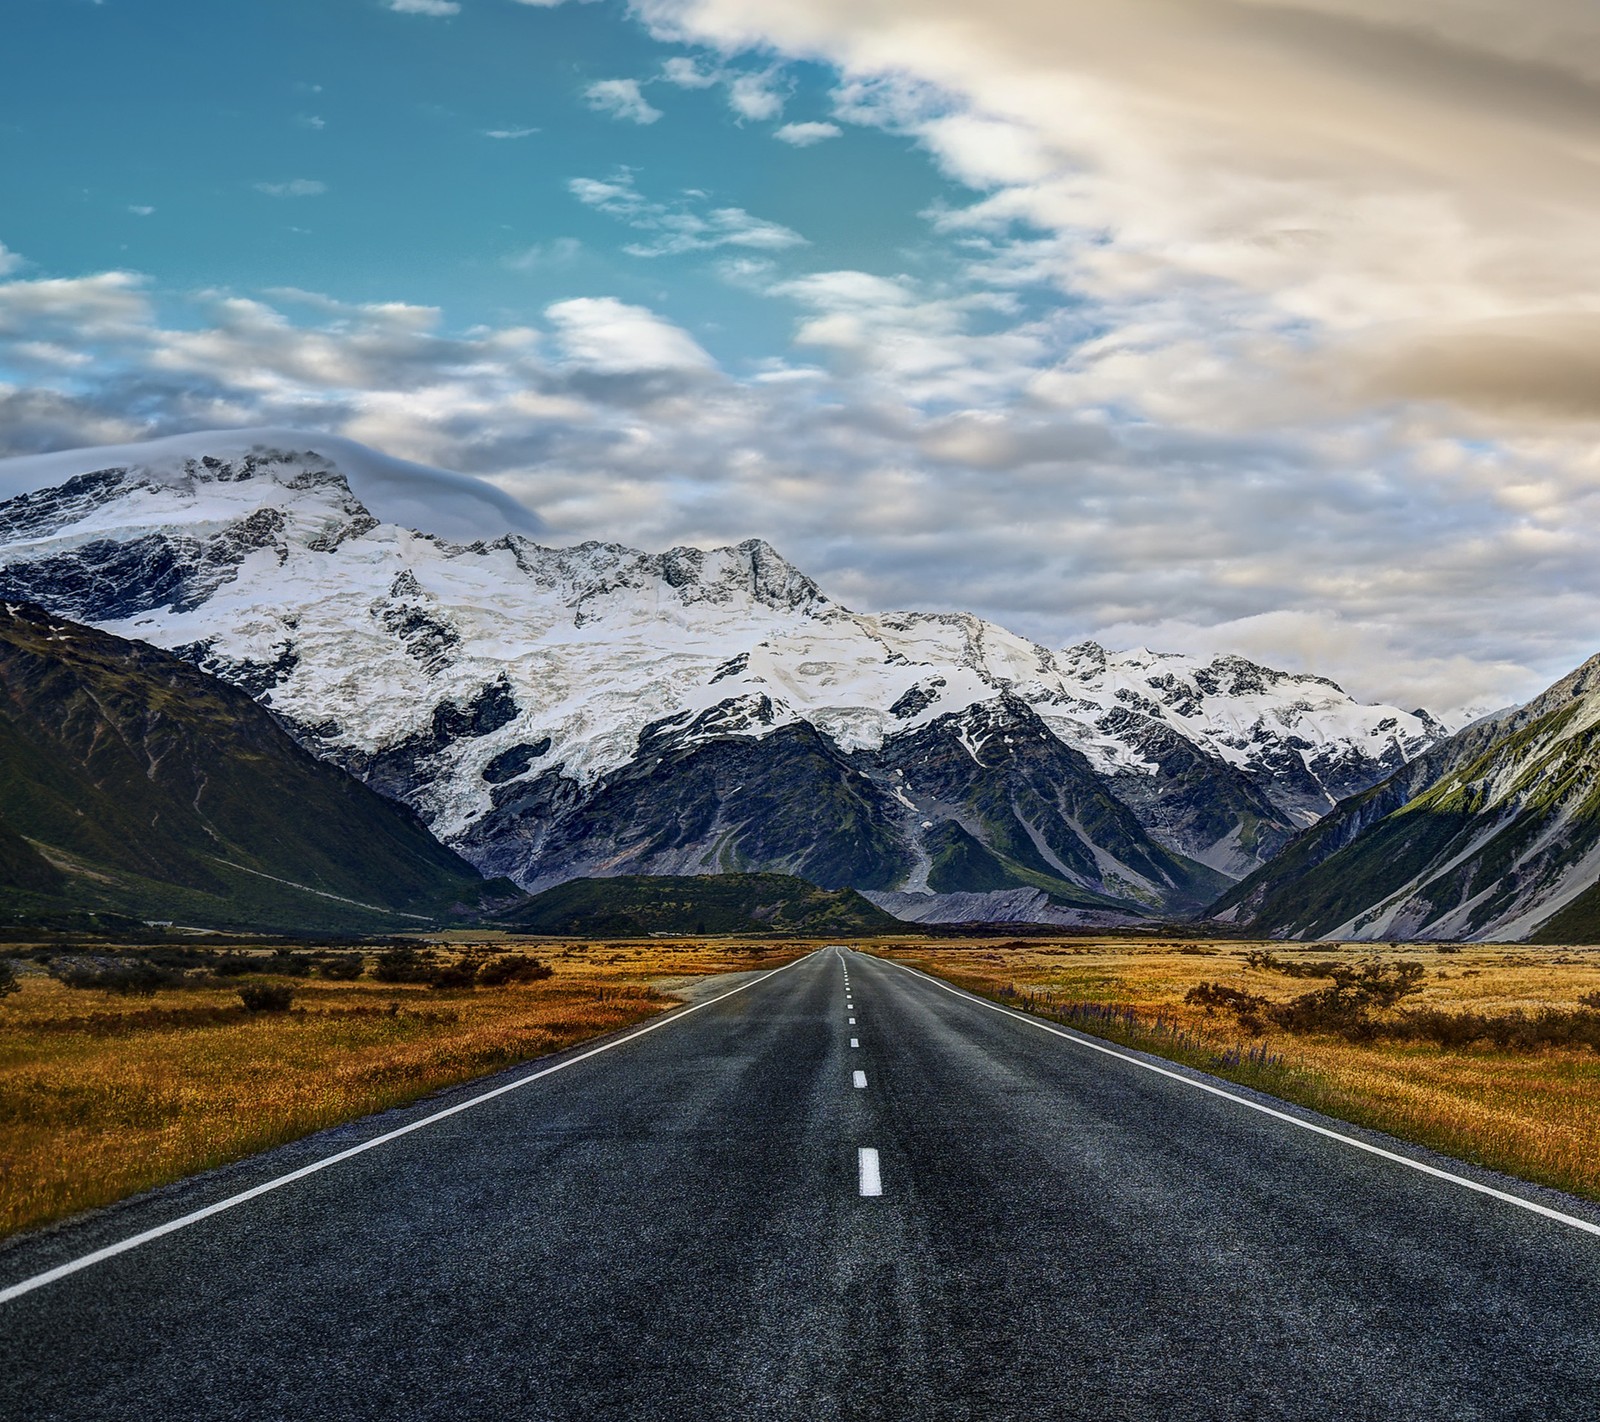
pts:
[104, 1095]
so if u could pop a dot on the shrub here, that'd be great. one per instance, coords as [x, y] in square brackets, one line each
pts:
[132, 979]
[233, 965]
[1515, 1031]
[1344, 1006]
[266, 997]
[285, 964]
[343, 968]
[462, 973]
[402, 964]
[1247, 1006]
[512, 968]
[8, 978]
[1270, 962]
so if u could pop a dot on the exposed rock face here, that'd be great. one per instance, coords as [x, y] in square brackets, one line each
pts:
[538, 706]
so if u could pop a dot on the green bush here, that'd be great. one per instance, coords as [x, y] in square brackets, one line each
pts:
[285, 964]
[343, 967]
[266, 997]
[403, 964]
[130, 978]
[463, 973]
[512, 968]
[1248, 1006]
[233, 965]
[1514, 1031]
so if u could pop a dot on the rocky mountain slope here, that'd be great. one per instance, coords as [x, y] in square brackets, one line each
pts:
[132, 782]
[1493, 834]
[597, 710]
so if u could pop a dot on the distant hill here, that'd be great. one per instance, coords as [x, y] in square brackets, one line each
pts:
[711, 903]
[1493, 834]
[133, 783]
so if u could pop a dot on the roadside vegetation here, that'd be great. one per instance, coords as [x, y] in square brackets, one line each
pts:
[123, 1069]
[1488, 1053]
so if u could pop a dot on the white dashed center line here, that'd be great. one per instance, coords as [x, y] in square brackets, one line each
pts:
[860, 1080]
[852, 1021]
[855, 1041]
[871, 1175]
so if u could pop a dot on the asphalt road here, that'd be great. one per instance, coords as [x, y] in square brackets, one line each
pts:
[675, 1228]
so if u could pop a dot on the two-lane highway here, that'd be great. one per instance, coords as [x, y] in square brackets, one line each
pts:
[842, 1191]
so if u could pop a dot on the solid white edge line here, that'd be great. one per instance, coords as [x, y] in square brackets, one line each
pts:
[1587, 1226]
[110, 1251]
[869, 1172]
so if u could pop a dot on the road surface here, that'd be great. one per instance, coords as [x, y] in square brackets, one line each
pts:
[844, 1191]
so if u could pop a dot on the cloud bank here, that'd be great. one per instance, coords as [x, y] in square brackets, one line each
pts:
[1264, 326]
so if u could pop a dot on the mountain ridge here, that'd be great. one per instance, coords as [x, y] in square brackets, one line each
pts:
[1493, 833]
[456, 676]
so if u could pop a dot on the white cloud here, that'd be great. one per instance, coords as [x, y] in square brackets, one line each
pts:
[609, 336]
[686, 73]
[137, 209]
[9, 261]
[508, 132]
[621, 99]
[294, 188]
[676, 228]
[803, 135]
[312, 121]
[755, 96]
[935, 444]
[425, 7]
[110, 307]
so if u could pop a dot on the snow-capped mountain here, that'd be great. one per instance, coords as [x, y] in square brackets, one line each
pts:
[544, 708]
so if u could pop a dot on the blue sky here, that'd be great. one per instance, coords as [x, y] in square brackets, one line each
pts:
[177, 116]
[1268, 327]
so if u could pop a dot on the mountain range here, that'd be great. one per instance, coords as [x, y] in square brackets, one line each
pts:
[561, 712]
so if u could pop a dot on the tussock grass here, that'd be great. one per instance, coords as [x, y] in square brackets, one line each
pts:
[1524, 1107]
[103, 1095]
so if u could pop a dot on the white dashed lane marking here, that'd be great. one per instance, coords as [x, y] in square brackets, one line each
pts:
[855, 1041]
[871, 1174]
[860, 1080]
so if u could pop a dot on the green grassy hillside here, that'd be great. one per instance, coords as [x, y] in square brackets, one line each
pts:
[131, 782]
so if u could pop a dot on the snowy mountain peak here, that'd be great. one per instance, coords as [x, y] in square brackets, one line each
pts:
[453, 506]
[369, 638]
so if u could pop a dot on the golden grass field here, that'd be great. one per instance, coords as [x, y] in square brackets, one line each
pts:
[1533, 1114]
[102, 1096]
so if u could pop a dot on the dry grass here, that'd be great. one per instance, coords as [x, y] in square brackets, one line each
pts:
[102, 1096]
[1535, 1115]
